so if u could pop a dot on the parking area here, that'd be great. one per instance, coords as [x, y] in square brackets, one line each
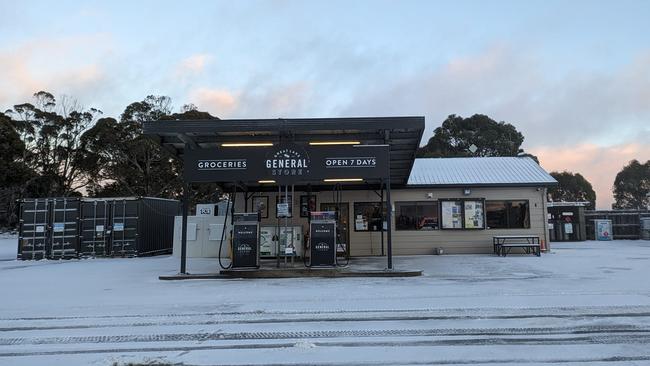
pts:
[582, 302]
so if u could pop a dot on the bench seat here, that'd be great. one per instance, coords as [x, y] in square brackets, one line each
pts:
[504, 249]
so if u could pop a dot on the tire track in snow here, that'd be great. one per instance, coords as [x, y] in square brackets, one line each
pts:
[618, 339]
[528, 311]
[465, 313]
[285, 320]
[609, 331]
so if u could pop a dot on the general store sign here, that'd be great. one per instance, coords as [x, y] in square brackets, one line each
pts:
[286, 163]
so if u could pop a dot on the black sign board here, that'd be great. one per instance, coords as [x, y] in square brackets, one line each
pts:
[245, 246]
[287, 163]
[322, 247]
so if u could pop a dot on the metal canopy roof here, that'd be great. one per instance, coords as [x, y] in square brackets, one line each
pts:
[479, 171]
[403, 134]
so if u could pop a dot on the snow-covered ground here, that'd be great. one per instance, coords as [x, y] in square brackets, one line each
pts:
[583, 303]
[8, 246]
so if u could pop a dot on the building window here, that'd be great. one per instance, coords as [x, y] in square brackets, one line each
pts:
[507, 214]
[473, 212]
[307, 204]
[261, 203]
[416, 215]
[451, 214]
[462, 214]
[368, 216]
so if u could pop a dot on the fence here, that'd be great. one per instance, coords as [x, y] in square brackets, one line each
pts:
[626, 224]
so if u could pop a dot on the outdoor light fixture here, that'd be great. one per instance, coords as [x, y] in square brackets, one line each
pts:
[316, 143]
[265, 181]
[343, 180]
[246, 144]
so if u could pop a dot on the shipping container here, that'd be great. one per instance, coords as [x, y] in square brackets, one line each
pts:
[34, 223]
[58, 228]
[48, 228]
[645, 228]
[626, 224]
[94, 223]
[127, 226]
[64, 239]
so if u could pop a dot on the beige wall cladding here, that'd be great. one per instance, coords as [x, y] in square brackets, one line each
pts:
[363, 243]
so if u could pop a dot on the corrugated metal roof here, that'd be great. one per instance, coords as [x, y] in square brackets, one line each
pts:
[478, 171]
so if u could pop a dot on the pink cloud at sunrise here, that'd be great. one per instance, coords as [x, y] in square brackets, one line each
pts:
[599, 165]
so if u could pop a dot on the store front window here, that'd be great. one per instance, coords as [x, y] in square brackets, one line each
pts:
[462, 214]
[452, 215]
[474, 217]
[368, 216]
[507, 214]
[416, 215]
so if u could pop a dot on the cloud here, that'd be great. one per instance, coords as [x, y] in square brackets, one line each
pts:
[59, 65]
[591, 122]
[599, 165]
[514, 86]
[288, 100]
[192, 65]
[218, 102]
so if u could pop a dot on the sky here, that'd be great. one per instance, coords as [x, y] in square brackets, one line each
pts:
[572, 76]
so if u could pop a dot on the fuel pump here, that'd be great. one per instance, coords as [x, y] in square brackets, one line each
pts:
[322, 239]
[246, 240]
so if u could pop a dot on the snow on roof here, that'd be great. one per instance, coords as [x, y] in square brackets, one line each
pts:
[478, 171]
[568, 204]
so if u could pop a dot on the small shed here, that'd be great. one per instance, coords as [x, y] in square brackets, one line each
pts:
[566, 221]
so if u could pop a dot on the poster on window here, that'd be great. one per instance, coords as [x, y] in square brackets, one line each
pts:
[360, 224]
[473, 215]
[568, 228]
[451, 215]
[288, 203]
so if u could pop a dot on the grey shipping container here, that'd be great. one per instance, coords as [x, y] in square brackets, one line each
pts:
[626, 224]
[127, 226]
[48, 228]
[94, 223]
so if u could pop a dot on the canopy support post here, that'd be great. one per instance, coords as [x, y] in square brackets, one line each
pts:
[185, 204]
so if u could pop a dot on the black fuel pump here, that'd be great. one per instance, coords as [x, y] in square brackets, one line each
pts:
[246, 240]
[322, 239]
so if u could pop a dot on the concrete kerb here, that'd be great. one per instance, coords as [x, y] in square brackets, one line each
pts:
[292, 273]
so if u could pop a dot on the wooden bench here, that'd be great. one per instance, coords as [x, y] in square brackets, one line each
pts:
[503, 244]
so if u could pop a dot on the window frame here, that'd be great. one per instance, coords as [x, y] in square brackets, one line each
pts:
[509, 201]
[462, 214]
[435, 202]
[304, 200]
[383, 217]
[265, 212]
[482, 200]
